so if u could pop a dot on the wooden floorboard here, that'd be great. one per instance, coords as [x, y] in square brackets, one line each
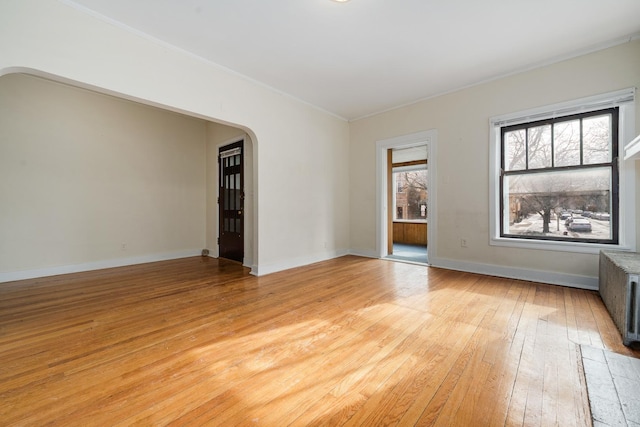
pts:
[350, 341]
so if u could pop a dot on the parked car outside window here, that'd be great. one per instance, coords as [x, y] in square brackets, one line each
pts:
[580, 224]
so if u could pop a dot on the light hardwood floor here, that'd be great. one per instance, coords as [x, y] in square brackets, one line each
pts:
[351, 341]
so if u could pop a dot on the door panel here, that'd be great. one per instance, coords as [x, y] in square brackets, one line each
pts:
[231, 201]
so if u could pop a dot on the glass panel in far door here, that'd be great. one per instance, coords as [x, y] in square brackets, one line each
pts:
[231, 202]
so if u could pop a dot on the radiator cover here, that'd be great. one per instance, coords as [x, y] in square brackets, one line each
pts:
[619, 273]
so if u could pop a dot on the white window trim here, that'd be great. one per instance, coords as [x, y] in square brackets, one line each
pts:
[625, 100]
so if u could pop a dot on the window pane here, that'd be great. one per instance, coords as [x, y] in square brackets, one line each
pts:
[539, 204]
[566, 141]
[238, 193]
[539, 147]
[411, 195]
[596, 139]
[514, 150]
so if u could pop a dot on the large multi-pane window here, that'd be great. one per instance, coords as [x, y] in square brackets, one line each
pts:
[559, 178]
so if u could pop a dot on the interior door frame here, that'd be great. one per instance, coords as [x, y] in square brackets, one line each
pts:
[250, 201]
[428, 138]
[221, 149]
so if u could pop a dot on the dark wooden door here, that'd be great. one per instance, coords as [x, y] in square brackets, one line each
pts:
[231, 201]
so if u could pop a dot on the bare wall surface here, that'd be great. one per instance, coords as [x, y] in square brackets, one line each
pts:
[86, 177]
[462, 122]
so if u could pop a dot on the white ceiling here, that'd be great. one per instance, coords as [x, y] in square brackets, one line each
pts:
[365, 56]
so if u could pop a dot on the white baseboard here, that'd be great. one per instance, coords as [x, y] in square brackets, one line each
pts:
[263, 269]
[254, 270]
[96, 265]
[571, 280]
[366, 254]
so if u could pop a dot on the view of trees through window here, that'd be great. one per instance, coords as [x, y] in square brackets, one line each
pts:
[410, 195]
[559, 178]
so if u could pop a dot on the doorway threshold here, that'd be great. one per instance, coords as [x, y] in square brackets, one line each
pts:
[414, 254]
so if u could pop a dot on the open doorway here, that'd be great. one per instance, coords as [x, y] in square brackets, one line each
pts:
[231, 202]
[231, 191]
[406, 197]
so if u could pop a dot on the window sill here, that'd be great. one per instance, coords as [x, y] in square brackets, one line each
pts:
[576, 247]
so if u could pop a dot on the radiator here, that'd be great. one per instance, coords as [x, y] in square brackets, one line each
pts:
[619, 274]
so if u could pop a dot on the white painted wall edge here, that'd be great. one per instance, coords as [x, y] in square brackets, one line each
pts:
[540, 276]
[263, 269]
[97, 265]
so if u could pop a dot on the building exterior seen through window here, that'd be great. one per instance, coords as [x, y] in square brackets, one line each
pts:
[410, 194]
[559, 178]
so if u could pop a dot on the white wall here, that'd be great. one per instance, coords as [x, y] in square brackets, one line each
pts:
[301, 152]
[87, 178]
[462, 122]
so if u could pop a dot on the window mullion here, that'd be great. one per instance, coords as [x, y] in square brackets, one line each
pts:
[526, 148]
[553, 149]
[581, 143]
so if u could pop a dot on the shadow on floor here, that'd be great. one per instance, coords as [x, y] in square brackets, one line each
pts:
[409, 253]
